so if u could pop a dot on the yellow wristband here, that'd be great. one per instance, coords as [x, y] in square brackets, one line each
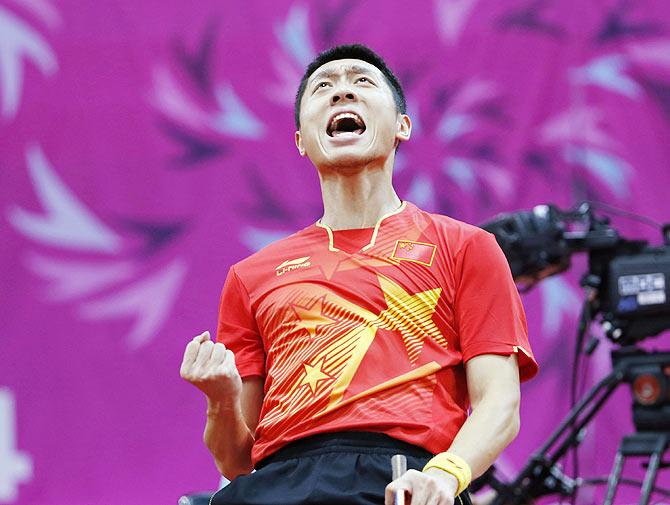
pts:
[455, 465]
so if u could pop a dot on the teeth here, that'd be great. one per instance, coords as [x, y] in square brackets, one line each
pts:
[344, 115]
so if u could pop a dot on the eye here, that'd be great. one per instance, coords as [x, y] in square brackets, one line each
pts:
[364, 79]
[319, 86]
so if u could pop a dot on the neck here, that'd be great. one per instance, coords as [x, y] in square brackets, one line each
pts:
[357, 197]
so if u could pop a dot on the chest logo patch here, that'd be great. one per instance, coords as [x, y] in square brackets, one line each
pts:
[290, 265]
[416, 252]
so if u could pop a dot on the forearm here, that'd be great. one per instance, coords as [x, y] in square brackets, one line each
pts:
[228, 438]
[491, 426]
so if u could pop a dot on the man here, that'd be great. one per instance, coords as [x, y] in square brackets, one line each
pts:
[370, 333]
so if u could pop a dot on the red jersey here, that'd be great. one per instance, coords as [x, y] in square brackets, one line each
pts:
[371, 338]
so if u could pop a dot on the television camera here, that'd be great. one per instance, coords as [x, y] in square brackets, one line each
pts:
[627, 288]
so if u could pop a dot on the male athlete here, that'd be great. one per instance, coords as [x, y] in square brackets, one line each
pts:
[370, 333]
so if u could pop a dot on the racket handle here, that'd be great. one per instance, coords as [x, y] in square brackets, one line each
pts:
[398, 469]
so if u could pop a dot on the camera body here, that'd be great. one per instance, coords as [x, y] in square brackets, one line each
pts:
[631, 279]
[637, 304]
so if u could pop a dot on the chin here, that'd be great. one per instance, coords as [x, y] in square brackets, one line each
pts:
[349, 153]
[348, 158]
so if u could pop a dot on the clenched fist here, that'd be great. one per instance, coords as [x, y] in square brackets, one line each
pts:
[211, 368]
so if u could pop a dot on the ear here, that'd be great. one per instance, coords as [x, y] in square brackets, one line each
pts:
[404, 128]
[298, 143]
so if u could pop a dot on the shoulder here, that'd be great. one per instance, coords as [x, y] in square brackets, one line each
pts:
[457, 235]
[271, 256]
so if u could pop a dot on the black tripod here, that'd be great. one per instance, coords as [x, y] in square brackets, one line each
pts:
[541, 475]
[649, 445]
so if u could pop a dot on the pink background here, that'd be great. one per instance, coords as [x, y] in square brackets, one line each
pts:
[146, 146]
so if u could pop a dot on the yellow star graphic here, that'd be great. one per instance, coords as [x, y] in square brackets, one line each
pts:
[311, 317]
[314, 374]
[411, 315]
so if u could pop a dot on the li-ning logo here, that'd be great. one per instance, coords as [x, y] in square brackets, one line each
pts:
[290, 265]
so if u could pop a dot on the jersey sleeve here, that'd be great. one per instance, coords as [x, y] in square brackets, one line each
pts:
[489, 314]
[237, 328]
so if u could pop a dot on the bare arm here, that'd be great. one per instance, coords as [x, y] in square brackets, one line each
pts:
[229, 432]
[233, 405]
[493, 387]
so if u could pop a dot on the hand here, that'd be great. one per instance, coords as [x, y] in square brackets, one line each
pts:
[432, 487]
[211, 368]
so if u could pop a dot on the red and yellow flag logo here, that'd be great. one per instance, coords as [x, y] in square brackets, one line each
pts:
[418, 252]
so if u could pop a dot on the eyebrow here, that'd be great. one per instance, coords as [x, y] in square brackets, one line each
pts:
[350, 69]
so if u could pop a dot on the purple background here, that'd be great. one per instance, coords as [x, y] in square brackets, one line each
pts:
[146, 146]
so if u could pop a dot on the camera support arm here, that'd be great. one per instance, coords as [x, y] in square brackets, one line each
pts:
[540, 476]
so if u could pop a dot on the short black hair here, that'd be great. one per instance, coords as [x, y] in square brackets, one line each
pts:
[356, 52]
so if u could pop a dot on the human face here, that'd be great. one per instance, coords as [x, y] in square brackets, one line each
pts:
[348, 117]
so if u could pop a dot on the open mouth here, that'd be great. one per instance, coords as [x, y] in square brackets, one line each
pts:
[345, 122]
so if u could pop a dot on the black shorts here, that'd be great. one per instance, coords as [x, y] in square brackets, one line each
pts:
[345, 468]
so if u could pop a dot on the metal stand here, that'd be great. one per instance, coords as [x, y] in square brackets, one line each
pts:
[649, 445]
[541, 476]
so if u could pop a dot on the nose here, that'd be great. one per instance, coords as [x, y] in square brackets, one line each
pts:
[342, 96]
